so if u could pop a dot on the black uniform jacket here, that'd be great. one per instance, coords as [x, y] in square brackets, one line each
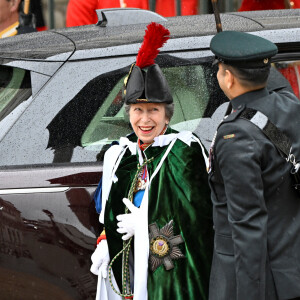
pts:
[255, 209]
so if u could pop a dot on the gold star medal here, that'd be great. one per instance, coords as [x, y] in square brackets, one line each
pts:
[163, 246]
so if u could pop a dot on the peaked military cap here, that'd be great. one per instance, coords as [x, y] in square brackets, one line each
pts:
[242, 50]
[146, 81]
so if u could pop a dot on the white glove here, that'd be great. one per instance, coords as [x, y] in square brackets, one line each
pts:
[129, 222]
[100, 259]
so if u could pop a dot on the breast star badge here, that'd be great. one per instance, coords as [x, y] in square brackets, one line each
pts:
[163, 246]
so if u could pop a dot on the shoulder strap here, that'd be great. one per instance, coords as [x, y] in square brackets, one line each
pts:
[276, 136]
[280, 140]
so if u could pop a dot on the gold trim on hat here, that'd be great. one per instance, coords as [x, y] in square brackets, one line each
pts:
[127, 77]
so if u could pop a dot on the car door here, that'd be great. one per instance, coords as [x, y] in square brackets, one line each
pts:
[48, 222]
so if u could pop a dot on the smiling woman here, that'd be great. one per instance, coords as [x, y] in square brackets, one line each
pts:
[148, 120]
[154, 184]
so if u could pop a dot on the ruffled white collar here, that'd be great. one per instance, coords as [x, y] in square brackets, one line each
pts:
[161, 140]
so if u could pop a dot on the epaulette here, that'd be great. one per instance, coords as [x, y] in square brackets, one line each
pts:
[234, 115]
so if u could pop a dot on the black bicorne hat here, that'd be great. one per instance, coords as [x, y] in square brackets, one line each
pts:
[148, 86]
[146, 82]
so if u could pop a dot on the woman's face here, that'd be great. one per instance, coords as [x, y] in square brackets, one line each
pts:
[147, 120]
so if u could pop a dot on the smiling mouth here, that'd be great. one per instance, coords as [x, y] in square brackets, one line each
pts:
[146, 130]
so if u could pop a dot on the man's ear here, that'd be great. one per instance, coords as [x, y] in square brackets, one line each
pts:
[15, 5]
[229, 79]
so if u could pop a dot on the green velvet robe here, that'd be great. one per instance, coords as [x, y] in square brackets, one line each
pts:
[179, 192]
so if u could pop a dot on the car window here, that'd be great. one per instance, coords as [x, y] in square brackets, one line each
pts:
[15, 91]
[110, 122]
[80, 111]
[291, 71]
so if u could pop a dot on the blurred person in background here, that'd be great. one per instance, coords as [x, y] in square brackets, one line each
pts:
[36, 8]
[9, 17]
[266, 5]
[167, 8]
[18, 17]
[83, 12]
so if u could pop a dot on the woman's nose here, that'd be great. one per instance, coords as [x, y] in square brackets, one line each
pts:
[145, 117]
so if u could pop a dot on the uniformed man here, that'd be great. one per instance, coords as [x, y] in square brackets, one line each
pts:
[255, 208]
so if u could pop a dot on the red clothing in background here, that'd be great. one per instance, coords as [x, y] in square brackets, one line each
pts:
[167, 8]
[82, 12]
[143, 4]
[292, 74]
[267, 4]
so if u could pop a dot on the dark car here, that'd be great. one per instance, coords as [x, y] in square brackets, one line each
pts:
[60, 108]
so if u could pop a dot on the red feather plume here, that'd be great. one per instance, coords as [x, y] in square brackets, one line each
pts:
[155, 37]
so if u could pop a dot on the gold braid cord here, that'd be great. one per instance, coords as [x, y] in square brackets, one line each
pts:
[126, 245]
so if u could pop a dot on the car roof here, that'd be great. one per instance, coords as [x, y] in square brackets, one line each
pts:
[184, 26]
[62, 43]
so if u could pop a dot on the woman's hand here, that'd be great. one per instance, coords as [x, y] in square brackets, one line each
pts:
[128, 222]
[100, 259]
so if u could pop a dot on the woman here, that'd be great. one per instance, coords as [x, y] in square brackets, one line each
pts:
[157, 239]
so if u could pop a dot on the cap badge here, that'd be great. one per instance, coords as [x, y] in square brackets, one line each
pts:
[266, 60]
[228, 136]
